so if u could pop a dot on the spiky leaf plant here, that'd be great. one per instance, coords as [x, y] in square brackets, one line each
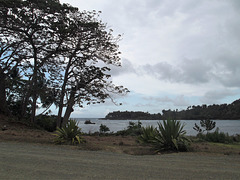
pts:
[148, 135]
[171, 136]
[70, 133]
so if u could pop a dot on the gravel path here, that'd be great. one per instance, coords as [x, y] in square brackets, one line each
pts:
[35, 161]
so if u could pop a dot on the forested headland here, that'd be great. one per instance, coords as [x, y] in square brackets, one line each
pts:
[215, 111]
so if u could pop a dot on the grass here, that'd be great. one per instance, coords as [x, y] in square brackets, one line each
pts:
[232, 146]
[120, 144]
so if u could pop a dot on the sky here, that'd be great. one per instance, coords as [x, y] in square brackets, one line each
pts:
[175, 54]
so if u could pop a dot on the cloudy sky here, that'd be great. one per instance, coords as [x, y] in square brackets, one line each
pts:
[174, 53]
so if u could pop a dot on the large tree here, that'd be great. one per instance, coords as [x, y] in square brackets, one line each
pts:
[10, 52]
[56, 47]
[34, 25]
[91, 48]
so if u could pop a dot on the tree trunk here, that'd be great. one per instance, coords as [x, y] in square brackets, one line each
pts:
[34, 106]
[69, 109]
[60, 108]
[34, 88]
[3, 103]
[25, 100]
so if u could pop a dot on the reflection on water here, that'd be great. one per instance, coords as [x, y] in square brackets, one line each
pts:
[231, 127]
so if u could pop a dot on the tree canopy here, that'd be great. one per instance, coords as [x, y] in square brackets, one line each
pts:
[59, 55]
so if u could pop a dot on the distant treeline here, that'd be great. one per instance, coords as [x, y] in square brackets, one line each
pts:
[222, 111]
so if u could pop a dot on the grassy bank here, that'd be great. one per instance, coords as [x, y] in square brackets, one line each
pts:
[19, 132]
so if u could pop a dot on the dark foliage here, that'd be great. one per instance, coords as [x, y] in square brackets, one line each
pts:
[169, 136]
[207, 124]
[103, 129]
[48, 123]
[218, 137]
[88, 122]
[134, 129]
[70, 134]
[214, 112]
[118, 115]
[50, 54]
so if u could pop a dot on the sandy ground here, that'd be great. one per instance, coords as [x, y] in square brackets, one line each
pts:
[19, 160]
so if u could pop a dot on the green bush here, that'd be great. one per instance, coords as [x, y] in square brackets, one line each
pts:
[236, 138]
[169, 136]
[133, 129]
[103, 129]
[148, 135]
[70, 134]
[216, 136]
[48, 123]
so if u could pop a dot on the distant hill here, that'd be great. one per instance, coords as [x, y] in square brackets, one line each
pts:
[138, 115]
[222, 111]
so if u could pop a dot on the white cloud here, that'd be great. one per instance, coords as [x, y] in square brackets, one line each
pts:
[171, 48]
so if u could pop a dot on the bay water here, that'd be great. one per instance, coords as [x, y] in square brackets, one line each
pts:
[232, 127]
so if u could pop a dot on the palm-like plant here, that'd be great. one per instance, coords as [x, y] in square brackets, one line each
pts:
[70, 133]
[171, 136]
[148, 135]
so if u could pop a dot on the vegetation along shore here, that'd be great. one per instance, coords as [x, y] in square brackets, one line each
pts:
[215, 111]
[52, 54]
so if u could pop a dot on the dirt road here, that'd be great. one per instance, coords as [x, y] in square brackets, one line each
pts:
[37, 161]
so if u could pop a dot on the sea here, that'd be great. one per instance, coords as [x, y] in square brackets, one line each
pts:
[232, 127]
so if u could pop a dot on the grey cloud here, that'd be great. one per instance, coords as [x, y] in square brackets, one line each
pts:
[195, 71]
[236, 4]
[189, 71]
[162, 71]
[179, 100]
[126, 67]
[216, 96]
[227, 70]
[207, 34]
[223, 69]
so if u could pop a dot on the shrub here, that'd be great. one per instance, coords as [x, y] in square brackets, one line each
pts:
[70, 133]
[103, 128]
[207, 124]
[133, 125]
[236, 138]
[133, 129]
[148, 135]
[171, 136]
[216, 136]
[48, 123]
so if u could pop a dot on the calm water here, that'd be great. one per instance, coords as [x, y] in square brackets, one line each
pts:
[231, 127]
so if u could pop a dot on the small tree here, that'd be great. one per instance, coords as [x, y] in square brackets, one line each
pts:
[103, 129]
[207, 124]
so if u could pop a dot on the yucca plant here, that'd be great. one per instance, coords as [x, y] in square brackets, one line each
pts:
[70, 133]
[171, 136]
[148, 135]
